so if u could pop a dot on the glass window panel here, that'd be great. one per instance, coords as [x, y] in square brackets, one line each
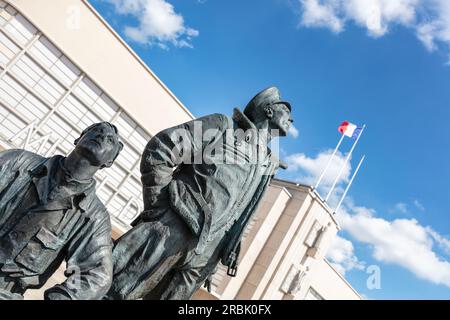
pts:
[65, 71]
[136, 171]
[116, 176]
[24, 112]
[125, 125]
[140, 137]
[68, 67]
[38, 107]
[88, 119]
[75, 106]
[6, 98]
[34, 106]
[116, 205]
[11, 10]
[56, 124]
[12, 125]
[49, 89]
[66, 146]
[36, 69]
[48, 50]
[24, 27]
[59, 150]
[127, 157]
[11, 29]
[105, 108]
[131, 188]
[88, 91]
[23, 75]
[18, 89]
[3, 113]
[68, 112]
[42, 53]
[8, 47]
[83, 96]
[104, 193]
[3, 59]
[60, 75]
[62, 130]
[3, 21]
[55, 88]
[13, 92]
[131, 192]
[42, 89]
[102, 174]
[90, 88]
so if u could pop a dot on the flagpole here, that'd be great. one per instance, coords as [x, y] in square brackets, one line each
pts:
[343, 166]
[329, 161]
[349, 184]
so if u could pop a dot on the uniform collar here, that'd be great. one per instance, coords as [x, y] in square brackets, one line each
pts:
[242, 120]
[40, 177]
[251, 133]
[245, 123]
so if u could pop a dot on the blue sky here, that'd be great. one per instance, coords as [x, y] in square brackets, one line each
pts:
[378, 62]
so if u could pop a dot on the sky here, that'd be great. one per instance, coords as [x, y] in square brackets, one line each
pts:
[383, 63]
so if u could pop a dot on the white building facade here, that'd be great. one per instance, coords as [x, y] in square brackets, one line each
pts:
[283, 252]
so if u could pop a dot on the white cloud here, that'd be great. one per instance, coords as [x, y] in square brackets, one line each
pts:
[404, 208]
[341, 255]
[316, 14]
[308, 170]
[378, 15]
[402, 242]
[418, 205]
[443, 242]
[293, 131]
[436, 28]
[401, 207]
[158, 23]
[429, 19]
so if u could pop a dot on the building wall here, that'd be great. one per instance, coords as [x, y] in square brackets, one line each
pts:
[82, 34]
[329, 284]
[283, 252]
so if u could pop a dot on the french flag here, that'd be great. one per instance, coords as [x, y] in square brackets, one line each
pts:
[349, 129]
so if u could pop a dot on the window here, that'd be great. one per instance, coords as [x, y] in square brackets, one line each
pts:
[294, 279]
[313, 234]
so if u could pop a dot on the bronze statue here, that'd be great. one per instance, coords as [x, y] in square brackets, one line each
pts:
[196, 206]
[49, 212]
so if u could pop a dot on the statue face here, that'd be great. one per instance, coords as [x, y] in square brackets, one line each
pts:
[99, 145]
[281, 119]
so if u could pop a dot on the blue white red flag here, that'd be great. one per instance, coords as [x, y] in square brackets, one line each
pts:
[350, 130]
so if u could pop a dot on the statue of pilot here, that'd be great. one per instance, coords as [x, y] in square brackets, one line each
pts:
[49, 212]
[195, 211]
